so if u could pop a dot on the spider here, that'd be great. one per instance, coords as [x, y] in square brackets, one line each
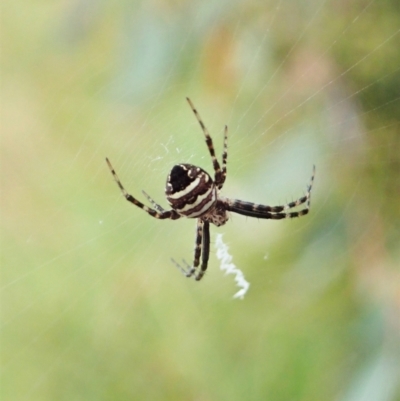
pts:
[191, 192]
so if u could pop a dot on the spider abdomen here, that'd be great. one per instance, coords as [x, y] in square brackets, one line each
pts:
[190, 190]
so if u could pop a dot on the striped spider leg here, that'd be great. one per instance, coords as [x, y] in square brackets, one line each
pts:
[202, 248]
[220, 175]
[272, 212]
[158, 212]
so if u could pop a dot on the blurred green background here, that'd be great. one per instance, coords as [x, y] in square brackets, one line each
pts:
[92, 307]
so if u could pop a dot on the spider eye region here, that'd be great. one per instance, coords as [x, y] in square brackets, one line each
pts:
[190, 190]
[181, 177]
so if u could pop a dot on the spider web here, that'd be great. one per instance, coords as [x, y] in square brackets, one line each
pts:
[92, 307]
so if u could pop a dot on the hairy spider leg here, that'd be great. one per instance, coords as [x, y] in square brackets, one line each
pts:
[272, 212]
[190, 270]
[158, 214]
[209, 142]
[153, 202]
[205, 251]
[224, 158]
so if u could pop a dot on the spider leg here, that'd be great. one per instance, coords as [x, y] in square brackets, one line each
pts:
[205, 251]
[272, 212]
[190, 270]
[260, 211]
[224, 158]
[155, 204]
[159, 213]
[209, 142]
[184, 271]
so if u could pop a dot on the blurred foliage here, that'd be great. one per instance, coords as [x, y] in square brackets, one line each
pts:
[92, 308]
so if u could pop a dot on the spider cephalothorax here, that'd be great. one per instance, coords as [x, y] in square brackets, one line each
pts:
[191, 192]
